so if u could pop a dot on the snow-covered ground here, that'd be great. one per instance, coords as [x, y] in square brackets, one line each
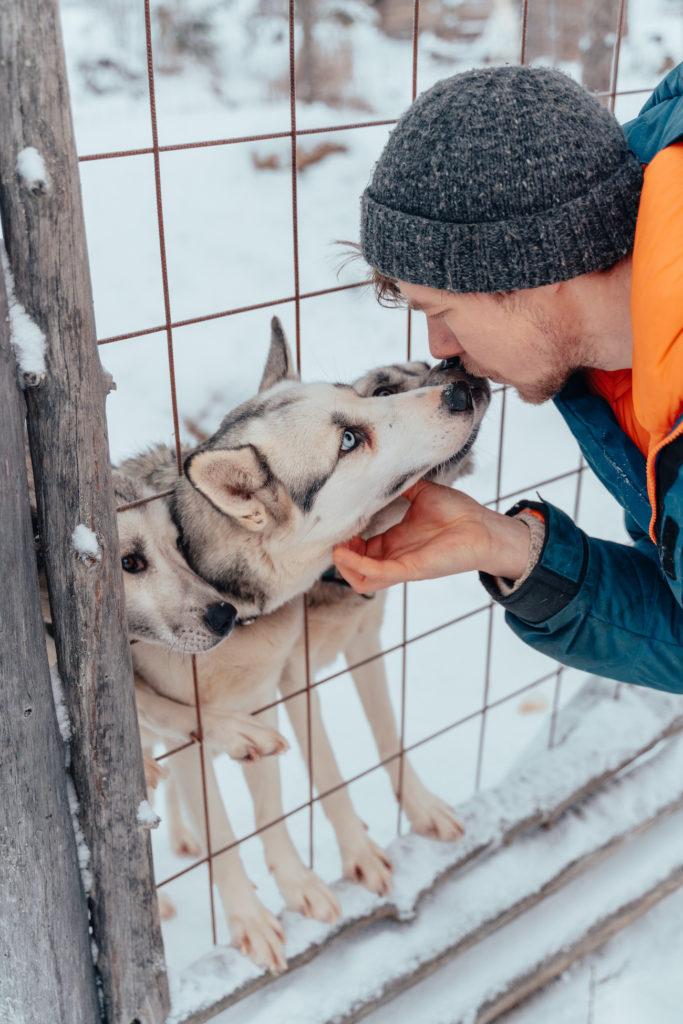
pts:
[632, 980]
[228, 233]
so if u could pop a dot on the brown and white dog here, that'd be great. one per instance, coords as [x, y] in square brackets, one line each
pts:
[263, 501]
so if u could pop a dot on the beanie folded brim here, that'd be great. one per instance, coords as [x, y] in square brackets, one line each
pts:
[590, 232]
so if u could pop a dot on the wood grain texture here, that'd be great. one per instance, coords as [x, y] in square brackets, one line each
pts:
[45, 239]
[43, 911]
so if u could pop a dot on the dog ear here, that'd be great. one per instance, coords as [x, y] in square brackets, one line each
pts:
[126, 489]
[279, 364]
[230, 478]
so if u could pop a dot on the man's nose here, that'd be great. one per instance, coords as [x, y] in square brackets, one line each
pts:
[442, 342]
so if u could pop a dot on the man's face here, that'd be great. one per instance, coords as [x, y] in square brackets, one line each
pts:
[526, 339]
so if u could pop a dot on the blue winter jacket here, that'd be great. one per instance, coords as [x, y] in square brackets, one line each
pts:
[615, 609]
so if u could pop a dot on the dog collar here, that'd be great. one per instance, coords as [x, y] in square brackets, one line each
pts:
[332, 575]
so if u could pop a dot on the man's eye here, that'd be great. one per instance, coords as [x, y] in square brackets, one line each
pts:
[350, 440]
[133, 563]
[383, 391]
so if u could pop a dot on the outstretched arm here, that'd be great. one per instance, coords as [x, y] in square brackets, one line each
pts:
[591, 604]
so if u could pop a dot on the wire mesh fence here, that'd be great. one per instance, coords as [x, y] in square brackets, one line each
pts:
[472, 618]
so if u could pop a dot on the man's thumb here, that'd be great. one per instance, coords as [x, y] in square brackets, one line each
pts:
[416, 489]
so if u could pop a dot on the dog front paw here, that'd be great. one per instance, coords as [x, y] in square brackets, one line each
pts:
[243, 737]
[429, 815]
[167, 908]
[259, 935]
[307, 894]
[366, 863]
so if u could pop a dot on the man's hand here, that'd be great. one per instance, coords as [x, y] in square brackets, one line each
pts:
[443, 532]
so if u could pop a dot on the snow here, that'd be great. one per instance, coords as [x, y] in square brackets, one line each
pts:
[65, 730]
[631, 980]
[597, 735]
[31, 170]
[27, 338]
[85, 543]
[357, 970]
[64, 723]
[147, 816]
[82, 848]
[562, 919]
[63, 720]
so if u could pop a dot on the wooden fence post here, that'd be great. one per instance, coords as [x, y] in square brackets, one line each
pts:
[46, 970]
[44, 233]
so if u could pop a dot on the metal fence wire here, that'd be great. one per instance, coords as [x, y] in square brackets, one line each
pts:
[170, 326]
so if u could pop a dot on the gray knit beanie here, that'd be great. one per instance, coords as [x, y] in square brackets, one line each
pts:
[499, 179]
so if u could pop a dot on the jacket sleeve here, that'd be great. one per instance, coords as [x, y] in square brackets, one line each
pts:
[596, 605]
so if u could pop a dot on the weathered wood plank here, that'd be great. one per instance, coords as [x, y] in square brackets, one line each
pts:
[43, 911]
[45, 238]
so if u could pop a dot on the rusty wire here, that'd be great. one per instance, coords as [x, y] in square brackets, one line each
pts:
[169, 326]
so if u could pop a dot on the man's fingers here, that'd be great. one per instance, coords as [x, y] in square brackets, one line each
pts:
[369, 574]
[355, 580]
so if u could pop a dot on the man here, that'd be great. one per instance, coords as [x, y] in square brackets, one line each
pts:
[544, 244]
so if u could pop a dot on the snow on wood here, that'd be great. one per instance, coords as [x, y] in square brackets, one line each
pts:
[147, 816]
[81, 845]
[28, 341]
[542, 944]
[31, 169]
[86, 544]
[475, 908]
[63, 720]
[598, 738]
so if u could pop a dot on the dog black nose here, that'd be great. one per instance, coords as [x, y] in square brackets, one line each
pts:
[220, 618]
[457, 397]
[449, 364]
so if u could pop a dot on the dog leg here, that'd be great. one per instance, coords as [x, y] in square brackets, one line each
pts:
[427, 813]
[301, 888]
[241, 736]
[362, 860]
[167, 908]
[254, 930]
[182, 839]
[154, 773]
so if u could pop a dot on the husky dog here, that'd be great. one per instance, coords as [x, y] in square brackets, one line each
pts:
[263, 501]
[341, 622]
[169, 606]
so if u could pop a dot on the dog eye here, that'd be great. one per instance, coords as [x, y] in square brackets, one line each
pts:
[350, 439]
[134, 563]
[383, 391]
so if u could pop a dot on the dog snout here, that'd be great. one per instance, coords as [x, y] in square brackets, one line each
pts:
[457, 397]
[450, 371]
[220, 617]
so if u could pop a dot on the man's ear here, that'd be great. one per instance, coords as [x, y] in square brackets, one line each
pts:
[279, 364]
[230, 479]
